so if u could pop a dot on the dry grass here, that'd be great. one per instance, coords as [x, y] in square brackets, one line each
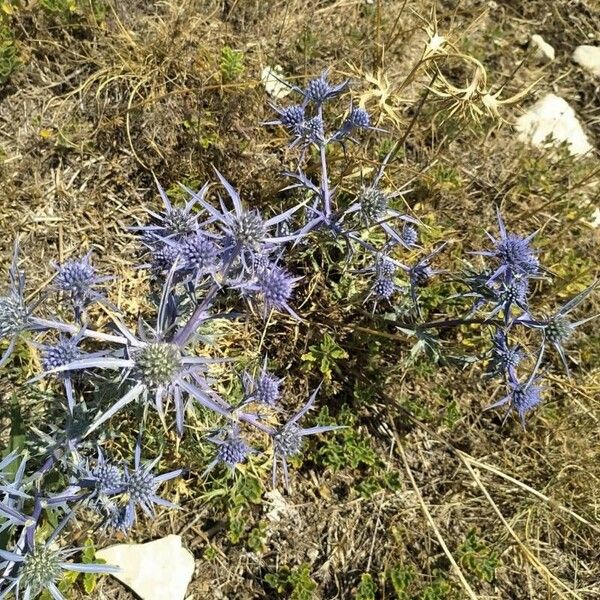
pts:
[101, 104]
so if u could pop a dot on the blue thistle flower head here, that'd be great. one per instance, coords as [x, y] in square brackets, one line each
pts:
[64, 352]
[522, 398]
[311, 131]
[514, 255]
[374, 204]
[319, 90]
[288, 439]
[263, 388]
[359, 117]
[15, 315]
[104, 478]
[163, 257]
[200, 254]
[78, 280]
[385, 267]
[37, 567]
[141, 484]
[409, 235]
[232, 449]
[383, 288]
[274, 286]
[292, 117]
[504, 357]
[173, 222]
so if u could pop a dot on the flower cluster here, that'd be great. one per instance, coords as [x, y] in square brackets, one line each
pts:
[213, 258]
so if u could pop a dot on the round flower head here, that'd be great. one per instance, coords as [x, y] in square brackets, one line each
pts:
[359, 117]
[292, 117]
[383, 288]
[320, 90]
[514, 255]
[63, 353]
[288, 440]
[409, 235]
[275, 285]
[78, 280]
[385, 267]
[13, 316]
[163, 258]
[522, 398]
[311, 131]
[264, 388]
[156, 364]
[373, 204]
[179, 222]
[249, 230]
[504, 358]
[200, 254]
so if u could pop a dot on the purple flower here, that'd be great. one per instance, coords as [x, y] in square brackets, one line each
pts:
[291, 117]
[245, 232]
[521, 398]
[141, 484]
[319, 90]
[274, 286]
[36, 567]
[173, 222]
[262, 388]
[232, 449]
[288, 439]
[513, 253]
[557, 328]
[155, 369]
[200, 255]
[15, 315]
[504, 357]
[77, 279]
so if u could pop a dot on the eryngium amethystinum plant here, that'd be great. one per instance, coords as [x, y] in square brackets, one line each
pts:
[201, 256]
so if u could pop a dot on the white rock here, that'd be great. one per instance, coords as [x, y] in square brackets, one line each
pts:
[274, 83]
[543, 50]
[589, 58]
[595, 222]
[552, 118]
[159, 570]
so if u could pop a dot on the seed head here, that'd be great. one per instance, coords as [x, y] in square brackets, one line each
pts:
[249, 230]
[288, 440]
[557, 330]
[40, 568]
[13, 316]
[157, 364]
[373, 204]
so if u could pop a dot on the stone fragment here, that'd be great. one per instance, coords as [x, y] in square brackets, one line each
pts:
[588, 57]
[158, 570]
[543, 50]
[551, 121]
